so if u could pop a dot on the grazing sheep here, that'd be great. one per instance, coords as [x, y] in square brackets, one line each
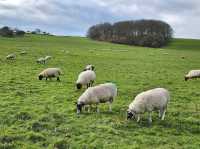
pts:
[11, 56]
[148, 101]
[85, 78]
[47, 57]
[89, 67]
[41, 60]
[50, 73]
[98, 94]
[192, 74]
[23, 53]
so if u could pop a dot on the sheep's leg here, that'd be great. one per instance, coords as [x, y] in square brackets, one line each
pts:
[91, 83]
[58, 79]
[110, 106]
[138, 118]
[163, 114]
[88, 110]
[97, 108]
[159, 115]
[149, 118]
[46, 78]
[88, 85]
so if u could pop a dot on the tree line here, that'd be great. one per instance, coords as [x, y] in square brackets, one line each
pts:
[8, 32]
[14, 32]
[148, 33]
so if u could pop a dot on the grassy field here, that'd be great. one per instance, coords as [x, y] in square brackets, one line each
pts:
[41, 114]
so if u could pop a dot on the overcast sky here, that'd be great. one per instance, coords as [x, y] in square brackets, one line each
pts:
[74, 17]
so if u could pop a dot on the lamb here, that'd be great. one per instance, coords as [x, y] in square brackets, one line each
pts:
[148, 101]
[85, 78]
[50, 73]
[192, 74]
[98, 94]
[89, 67]
[11, 56]
[41, 60]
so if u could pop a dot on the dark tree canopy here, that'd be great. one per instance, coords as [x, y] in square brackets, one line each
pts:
[148, 33]
[8, 32]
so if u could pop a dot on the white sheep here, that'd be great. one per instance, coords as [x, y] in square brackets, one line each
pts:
[41, 60]
[192, 74]
[11, 56]
[148, 101]
[47, 57]
[50, 73]
[89, 67]
[23, 53]
[85, 78]
[98, 94]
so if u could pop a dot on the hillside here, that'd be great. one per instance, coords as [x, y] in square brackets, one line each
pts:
[42, 114]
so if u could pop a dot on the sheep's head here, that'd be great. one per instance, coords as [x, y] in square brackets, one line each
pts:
[92, 67]
[79, 107]
[186, 78]
[131, 115]
[78, 86]
[40, 77]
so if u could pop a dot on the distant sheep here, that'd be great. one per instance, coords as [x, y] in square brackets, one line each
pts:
[11, 56]
[192, 74]
[89, 67]
[85, 78]
[98, 94]
[41, 60]
[50, 73]
[148, 101]
[23, 53]
[47, 57]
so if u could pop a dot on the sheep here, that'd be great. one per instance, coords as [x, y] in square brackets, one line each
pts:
[89, 67]
[11, 56]
[41, 60]
[85, 78]
[148, 101]
[47, 57]
[192, 74]
[23, 53]
[50, 73]
[98, 94]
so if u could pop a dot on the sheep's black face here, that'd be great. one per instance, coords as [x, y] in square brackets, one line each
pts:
[40, 77]
[79, 86]
[79, 108]
[186, 78]
[129, 115]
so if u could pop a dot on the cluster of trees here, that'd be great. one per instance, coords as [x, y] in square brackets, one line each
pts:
[8, 32]
[14, 32]
[148, 33]
[38, 31]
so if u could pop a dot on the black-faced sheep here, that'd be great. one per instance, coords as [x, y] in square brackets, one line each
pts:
[148, 101]
[85, 78]
[11, 56]
[192, 74]
[89, 67]
[41, 60]
[98, 94]
[50, 73]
